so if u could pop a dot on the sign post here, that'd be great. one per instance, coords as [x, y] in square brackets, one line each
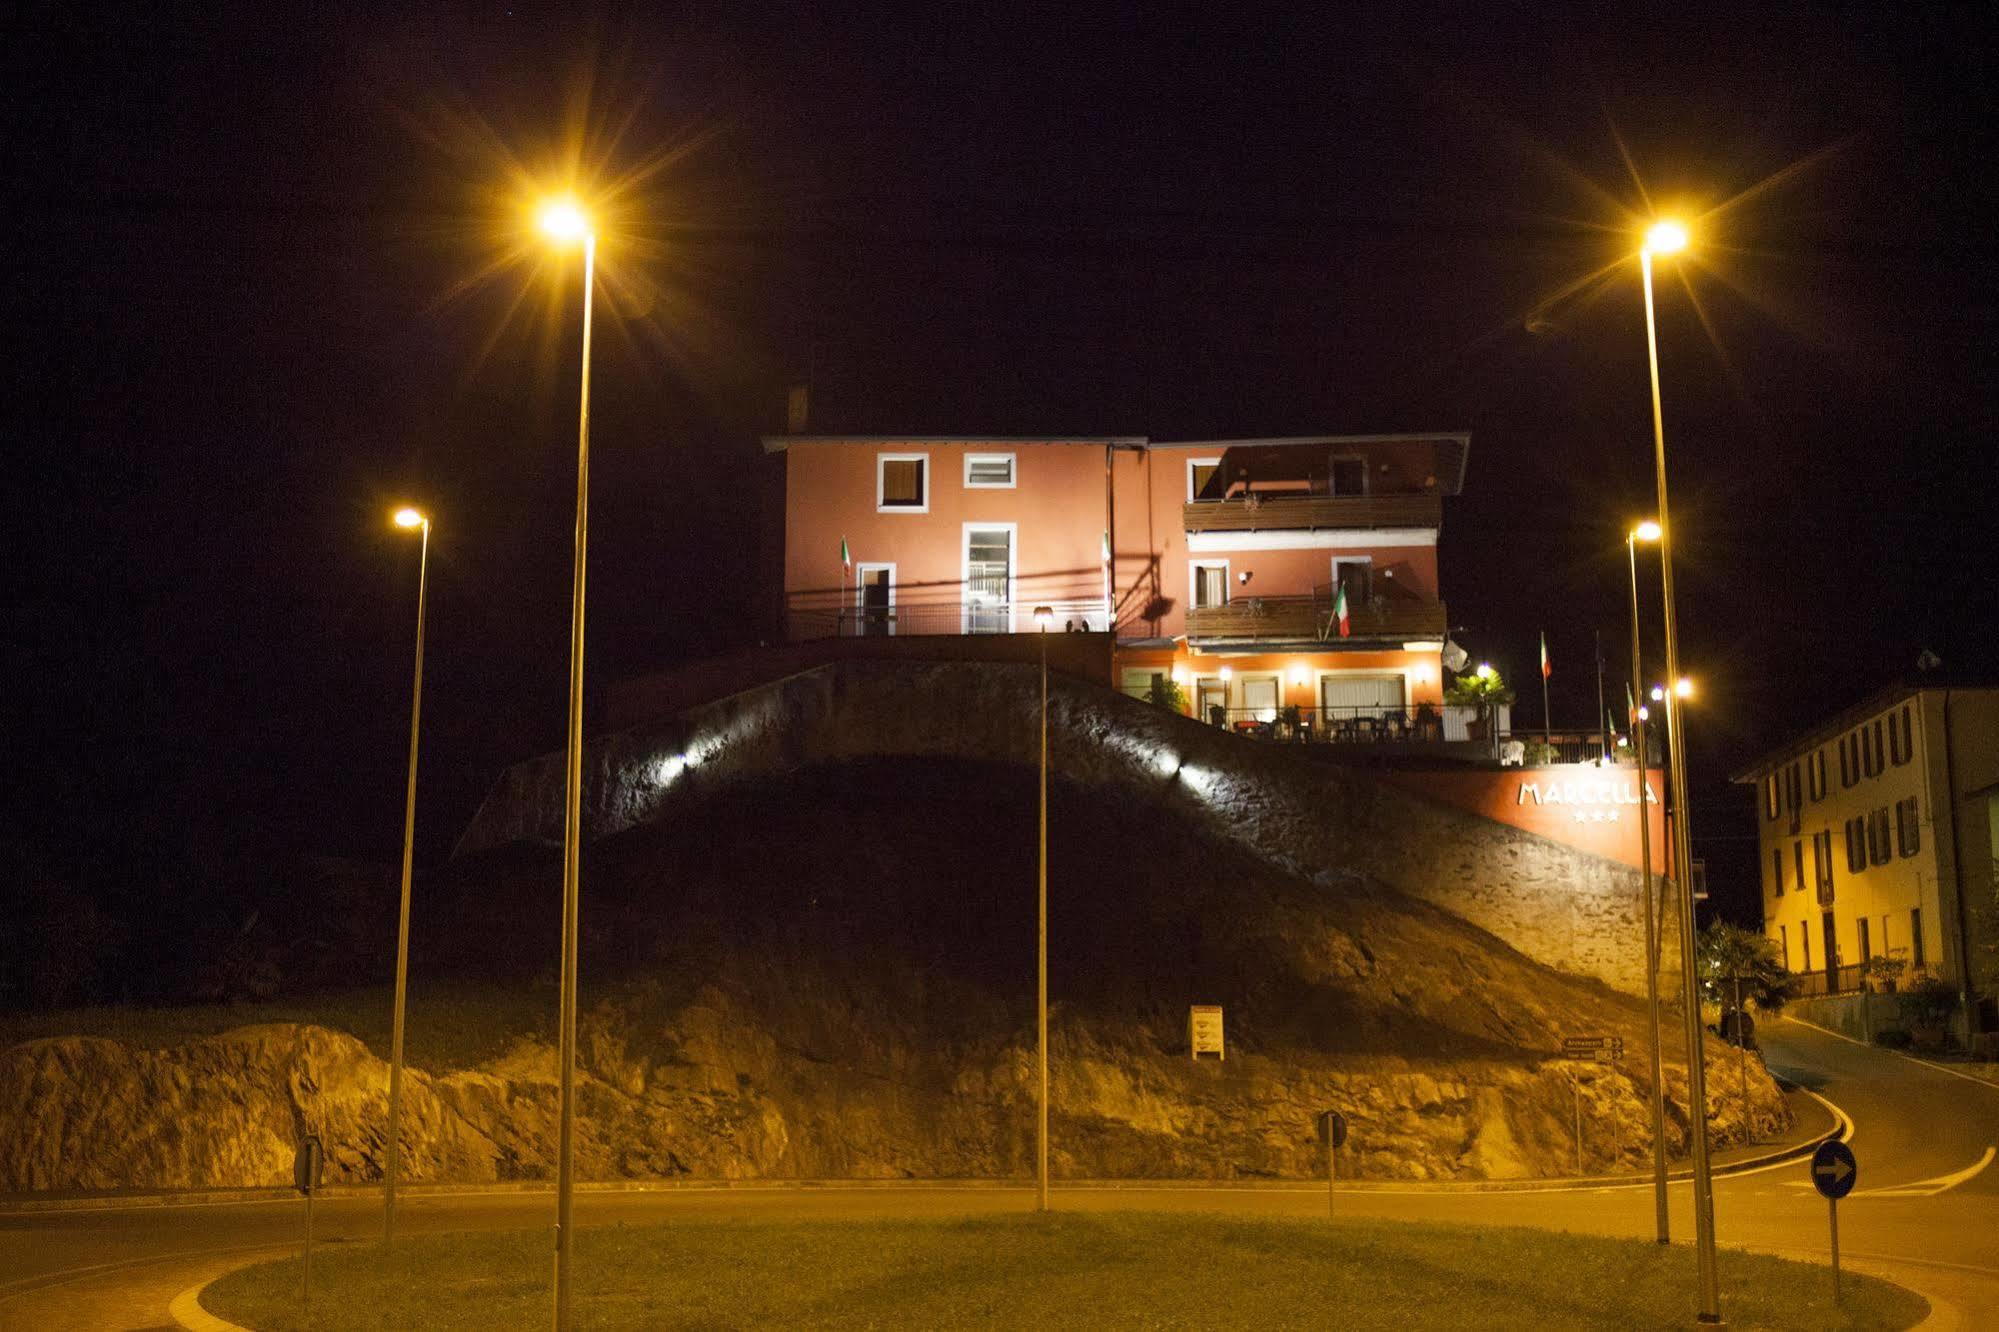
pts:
[307, 1167]
[1599, 1049]
[1333, 1133]
[1833, 1173]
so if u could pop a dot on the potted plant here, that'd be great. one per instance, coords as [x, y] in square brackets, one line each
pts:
[1926, 1009]
[1481, 690]
[1292, 721]
[1540, 752]
[1167, 693]
[1429, 725]
[1884, 972]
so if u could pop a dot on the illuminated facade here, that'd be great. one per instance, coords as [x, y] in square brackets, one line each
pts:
[1260, 576]
[1877, 833]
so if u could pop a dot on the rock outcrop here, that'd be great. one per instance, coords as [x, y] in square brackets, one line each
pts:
[832, 976]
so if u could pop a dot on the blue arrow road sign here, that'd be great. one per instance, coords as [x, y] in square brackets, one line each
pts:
[1833, 1169]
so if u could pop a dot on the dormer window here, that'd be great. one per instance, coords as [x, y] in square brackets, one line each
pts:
[902, 483]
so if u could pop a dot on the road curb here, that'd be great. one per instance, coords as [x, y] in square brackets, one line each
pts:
[186, 1311]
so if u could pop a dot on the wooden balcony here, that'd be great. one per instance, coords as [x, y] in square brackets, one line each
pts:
[1279, 513]
[1309, 620]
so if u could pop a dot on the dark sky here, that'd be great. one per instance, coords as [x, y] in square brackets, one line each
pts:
[260, 283]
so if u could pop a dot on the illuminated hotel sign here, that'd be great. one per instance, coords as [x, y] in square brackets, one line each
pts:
[1594, 801]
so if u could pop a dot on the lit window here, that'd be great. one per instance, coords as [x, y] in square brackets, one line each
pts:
[989, 471]
[902, 483]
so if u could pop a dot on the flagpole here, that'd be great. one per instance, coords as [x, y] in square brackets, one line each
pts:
[1547, 722]
[1602, 717]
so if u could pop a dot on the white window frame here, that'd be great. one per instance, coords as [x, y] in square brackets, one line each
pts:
[1366, 482]
[1194, 568]
[860, 608]
[929, 480]
[1192, 463]
[1239, 687]
[1194, 693]
[1012, 462]
[1338, 560]
[1376, 672]
[1012, 574]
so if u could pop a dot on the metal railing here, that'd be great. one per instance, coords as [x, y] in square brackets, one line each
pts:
[1279, 512]
[1087, 615]
[1311, 620]
[1848, 979]
[1342, 725]
[1574, 746]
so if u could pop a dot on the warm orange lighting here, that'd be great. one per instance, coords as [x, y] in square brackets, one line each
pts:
[1646, 531]
[564, 220]
[1666, 237]
[1226, 673]
[1043, 617]
[407, 517]
[1297, 675]
[1180, 675]
[1685, 688]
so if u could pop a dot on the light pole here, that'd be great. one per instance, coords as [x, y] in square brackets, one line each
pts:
[1043, 617]
[564, 221]
[1648, 531]
[408, 519]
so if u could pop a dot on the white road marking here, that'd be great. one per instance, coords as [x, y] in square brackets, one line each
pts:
[1930, 1188]
[1941, 1068]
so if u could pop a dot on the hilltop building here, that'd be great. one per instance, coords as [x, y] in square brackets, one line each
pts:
[1259, 575]
[1878, 831]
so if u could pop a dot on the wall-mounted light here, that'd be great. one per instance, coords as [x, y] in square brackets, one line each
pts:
[1180, 675]
[1245, 576]
[1297, 675]
[1226, 674]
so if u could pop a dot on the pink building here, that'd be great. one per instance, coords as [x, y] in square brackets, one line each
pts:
[1218, 565]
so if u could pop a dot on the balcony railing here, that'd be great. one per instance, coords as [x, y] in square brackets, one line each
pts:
[1272, 513]
[1310, 620]
[1086, 615]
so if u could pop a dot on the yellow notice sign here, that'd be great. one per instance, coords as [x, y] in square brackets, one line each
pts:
[1204, 1030]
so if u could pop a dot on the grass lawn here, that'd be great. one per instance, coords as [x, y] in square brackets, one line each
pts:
[451, 1024]
[1102, 1270]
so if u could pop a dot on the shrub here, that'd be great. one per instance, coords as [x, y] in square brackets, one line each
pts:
[1167, 693]
[1929, 1002]
[1540, 751]
[1893, 1038]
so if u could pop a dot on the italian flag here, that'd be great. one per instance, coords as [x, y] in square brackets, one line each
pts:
[1546, 669]
[846, 560]
[1340, 611]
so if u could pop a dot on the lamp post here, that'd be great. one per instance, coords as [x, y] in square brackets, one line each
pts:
[565, 222]
[1648, 531]
[408, 519]
[1664, 238]
[1043, 617]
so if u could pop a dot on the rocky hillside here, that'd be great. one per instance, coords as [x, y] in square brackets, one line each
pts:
[833, 975]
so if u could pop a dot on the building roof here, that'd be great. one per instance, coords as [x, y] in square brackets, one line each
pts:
[779, 443]
[1880, 700]
[1453, 447]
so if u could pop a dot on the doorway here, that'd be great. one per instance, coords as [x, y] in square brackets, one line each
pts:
[874, 599]
[988, 579]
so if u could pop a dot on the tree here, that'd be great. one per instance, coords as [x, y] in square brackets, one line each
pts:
[1727, 951]
[1480, 689]
[1167, 693]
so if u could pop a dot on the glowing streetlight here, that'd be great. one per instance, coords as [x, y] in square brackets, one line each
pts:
[1043, 617]
[1685, 687]
[1648, 531]
[1666, 237]
[1484, 671]
[410, 520]
[564, 222]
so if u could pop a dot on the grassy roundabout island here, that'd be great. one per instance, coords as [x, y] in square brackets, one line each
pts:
[1126, 1269]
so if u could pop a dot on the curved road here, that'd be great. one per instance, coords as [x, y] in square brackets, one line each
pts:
[1926, 1210]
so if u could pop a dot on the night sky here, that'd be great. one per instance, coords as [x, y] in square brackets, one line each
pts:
[268, 275]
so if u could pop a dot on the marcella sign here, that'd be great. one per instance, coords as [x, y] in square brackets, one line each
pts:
[1599, 801]
[1580, 804]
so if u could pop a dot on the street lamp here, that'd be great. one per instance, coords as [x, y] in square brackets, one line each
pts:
[565, 222]
[410, 520]
[1648, 531]
[1670, 237]
[1043, 617]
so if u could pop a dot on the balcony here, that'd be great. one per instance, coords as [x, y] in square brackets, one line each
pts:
[1309, 621]
[1279, 513]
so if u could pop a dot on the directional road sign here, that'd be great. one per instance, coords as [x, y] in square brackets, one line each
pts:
[1333, 1127]
[1833, 1169]
[1593, 1047]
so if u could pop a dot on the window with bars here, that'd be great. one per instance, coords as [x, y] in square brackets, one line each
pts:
[989, 471]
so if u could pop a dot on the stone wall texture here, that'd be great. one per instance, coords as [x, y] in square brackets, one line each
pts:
[1335, 826]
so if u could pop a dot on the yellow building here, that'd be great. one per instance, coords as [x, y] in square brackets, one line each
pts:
[1878, 831]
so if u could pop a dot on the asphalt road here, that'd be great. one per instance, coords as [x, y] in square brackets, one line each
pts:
[1925, 1210]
